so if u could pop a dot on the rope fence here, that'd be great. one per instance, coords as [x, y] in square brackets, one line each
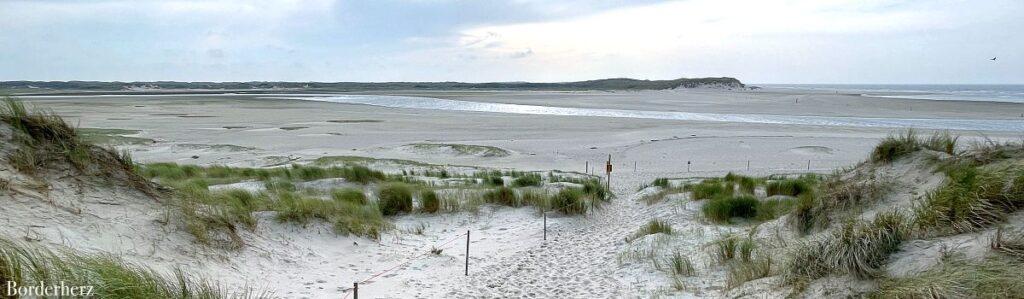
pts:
[355, 288]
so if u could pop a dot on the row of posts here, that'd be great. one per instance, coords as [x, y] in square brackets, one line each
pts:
[586, 167]
[608, 175]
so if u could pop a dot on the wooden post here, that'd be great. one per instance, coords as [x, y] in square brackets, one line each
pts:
[467, 252]
[808, 164]
[586, 167]
[545, 225]
[608, 172]
[687, 166]
[748, 165]
[634, 166]
[355, 290]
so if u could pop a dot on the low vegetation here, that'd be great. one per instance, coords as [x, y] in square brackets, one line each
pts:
[856, 248]
[957, 277]
[109, 276]
[655, 226]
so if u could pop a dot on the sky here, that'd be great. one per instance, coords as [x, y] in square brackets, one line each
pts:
[763, 41]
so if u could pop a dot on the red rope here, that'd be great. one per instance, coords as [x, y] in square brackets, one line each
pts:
[406, 262]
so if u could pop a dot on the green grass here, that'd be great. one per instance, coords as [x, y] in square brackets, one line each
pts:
[722, 209]
[768, 210]
[527, 181]
[351, 195]
[725, 248]
[791, 187]
[710, 188]
[42, 138]
[857, 248]
[395, 198]
[571, 201]
[502, 196]
[895, 146]
[899, 145]
[171, 173]
[955, 277]
[972, 198]
[680, 265]
[756, 266]
[746, 184]
[661, 182]
[429, 202]
[110, 276]
[655, 226]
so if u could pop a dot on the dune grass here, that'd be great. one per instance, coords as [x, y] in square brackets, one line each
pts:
[972, 198]
[110, 276]
[170, 173]
[527, 180]
[502, 196]
[43, 138]
[394, 198]
[858, 248]
[993, 277]
[680, 265]
[351, 195]
[896, 146]
[792, 187]
[429, 202]
[655, 226]
[757, 265]
[722, 209]
[710, 188]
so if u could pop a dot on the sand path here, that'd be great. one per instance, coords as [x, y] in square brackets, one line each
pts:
[579, 259]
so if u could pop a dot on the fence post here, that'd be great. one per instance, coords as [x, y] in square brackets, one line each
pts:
[748, 165]
[467, 252]
[586, 167]
[634, 166]
[355, 290]
[808, 164]
[545, 225]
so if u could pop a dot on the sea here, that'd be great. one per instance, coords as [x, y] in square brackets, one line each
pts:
[1013, 93]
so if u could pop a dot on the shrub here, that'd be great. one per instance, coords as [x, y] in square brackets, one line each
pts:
[351, 195]
[395, 198]
[527, 180]
[661, 182]
[429, 202]
[722, 208]
[496, 181]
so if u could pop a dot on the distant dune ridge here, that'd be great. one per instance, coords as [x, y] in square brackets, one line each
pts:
[601, 84]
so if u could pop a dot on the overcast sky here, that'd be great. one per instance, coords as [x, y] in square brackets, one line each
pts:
[762, 41]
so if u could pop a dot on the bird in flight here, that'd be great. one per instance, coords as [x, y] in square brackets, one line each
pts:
[993, 59]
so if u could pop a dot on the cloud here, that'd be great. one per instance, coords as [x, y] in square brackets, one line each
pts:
[492, 40]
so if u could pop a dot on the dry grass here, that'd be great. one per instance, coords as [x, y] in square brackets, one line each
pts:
[857, 248]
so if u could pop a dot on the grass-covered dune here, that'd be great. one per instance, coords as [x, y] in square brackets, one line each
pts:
[922, 217]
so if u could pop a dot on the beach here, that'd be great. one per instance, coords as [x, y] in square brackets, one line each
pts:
[582, 257]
